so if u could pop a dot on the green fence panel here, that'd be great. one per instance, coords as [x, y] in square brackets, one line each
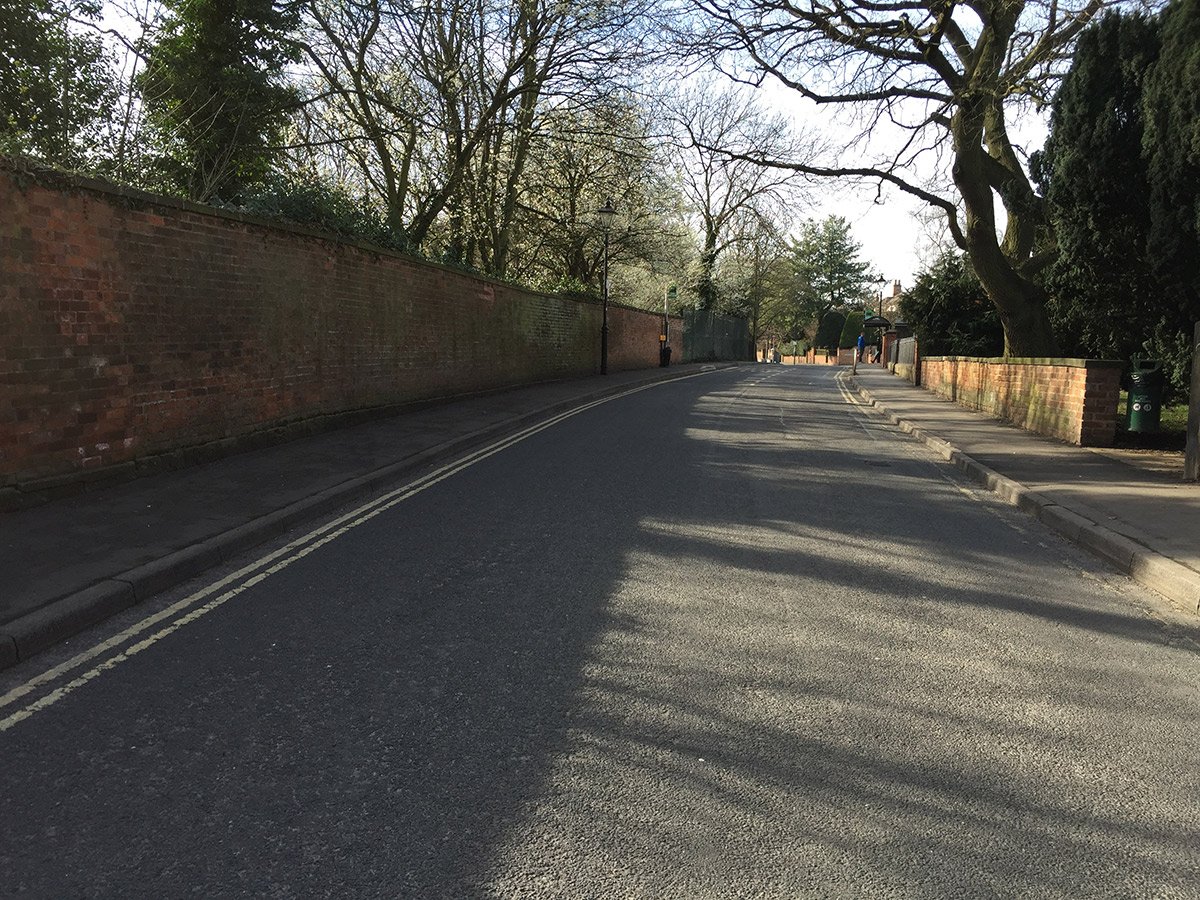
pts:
[708, 336]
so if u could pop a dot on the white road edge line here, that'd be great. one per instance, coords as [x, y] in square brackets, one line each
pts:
[335, 529]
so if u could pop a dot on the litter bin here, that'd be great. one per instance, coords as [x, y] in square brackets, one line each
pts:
[1145, 395]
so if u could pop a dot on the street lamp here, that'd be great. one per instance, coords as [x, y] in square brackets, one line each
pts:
[605, 216]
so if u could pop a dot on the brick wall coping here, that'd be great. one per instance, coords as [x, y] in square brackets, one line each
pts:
[1065, 362]
[59, 179]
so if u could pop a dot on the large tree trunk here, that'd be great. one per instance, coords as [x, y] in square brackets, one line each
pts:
[1020, 301]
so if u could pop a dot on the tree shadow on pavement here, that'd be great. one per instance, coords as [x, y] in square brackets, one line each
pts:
[566, 672]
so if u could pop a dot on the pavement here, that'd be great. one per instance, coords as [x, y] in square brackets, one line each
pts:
[75, 561]
[1131, 509]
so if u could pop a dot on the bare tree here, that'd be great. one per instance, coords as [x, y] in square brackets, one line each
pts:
[437, 103]
[948, 75]
[580, 158]
[756, 272]
[723, 188]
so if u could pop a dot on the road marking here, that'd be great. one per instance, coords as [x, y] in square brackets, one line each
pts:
[858, 409]
[282, 558]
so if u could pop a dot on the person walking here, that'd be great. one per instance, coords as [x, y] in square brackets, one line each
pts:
[858, 352]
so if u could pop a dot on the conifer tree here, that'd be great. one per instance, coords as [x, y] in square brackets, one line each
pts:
[215, 89]
[1100, 285]
[1172, 147]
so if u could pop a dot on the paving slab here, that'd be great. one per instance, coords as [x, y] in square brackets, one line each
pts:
[1097, 498]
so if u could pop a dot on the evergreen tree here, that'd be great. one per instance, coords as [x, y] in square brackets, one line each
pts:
[214, 88]
[1122, 177]
[852, 328]
[950, 313]
[1101, 285]
[1172, 149]
[827, 273]
[829, 335]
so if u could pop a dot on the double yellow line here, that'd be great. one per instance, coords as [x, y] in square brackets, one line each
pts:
[198, 604]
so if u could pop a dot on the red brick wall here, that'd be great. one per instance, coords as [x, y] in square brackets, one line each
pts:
[1071, 399]
[132, 326]
[812, 357]
[889, 341]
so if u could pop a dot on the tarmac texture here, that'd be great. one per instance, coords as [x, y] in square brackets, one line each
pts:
[75, 561]
[730, 636]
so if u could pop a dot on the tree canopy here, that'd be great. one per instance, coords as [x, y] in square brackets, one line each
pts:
[1122, 176]
[949, 311]
[55, 83]
[1171, 144]
[947, 76]
[827, 274]
[215, 89]
[1096, 186]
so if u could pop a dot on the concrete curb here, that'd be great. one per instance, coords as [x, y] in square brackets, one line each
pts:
[67, 616]
[1131, 557]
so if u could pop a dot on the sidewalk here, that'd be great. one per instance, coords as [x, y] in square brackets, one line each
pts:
[1141, 518]
[75, 561]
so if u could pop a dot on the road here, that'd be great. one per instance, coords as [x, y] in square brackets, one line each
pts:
[729, 636]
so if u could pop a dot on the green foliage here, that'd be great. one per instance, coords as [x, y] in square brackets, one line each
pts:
[1173, 347]
[55, 84]
[829, 334]
[1103, 294]
[1172, 150]
[703, 281]
[214, 89]
[851, 329]
[308, 200]
[827, 270]
[1121, 171]
[950, 313]
[567, 287]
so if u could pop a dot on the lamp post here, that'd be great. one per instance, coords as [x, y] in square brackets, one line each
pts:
[605, 216]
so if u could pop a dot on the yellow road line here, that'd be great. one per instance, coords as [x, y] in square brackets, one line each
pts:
[297, 549]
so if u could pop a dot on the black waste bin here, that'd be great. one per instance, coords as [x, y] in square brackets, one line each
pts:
[1145, 395]
[664, 355]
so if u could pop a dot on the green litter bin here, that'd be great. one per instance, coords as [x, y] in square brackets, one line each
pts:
[1145, 395]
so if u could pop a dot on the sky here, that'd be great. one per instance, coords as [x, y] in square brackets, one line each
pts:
[894, 240]
[888, 232]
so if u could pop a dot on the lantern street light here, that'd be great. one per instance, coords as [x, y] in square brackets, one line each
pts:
[881, 281]
[605, 216]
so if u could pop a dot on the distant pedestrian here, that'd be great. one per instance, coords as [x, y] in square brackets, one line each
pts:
[862, 344]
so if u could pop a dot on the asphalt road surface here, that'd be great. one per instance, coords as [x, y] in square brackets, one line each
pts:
[730, 636]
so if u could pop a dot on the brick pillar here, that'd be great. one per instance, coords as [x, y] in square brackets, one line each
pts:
[1098, 418]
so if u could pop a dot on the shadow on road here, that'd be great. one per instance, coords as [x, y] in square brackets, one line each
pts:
[738, 659]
